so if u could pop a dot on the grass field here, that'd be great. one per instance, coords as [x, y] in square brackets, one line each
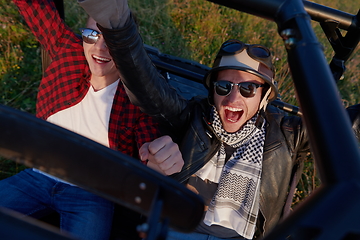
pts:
[192, 29]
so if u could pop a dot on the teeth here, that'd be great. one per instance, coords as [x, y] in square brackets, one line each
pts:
[233, 109]
[102, 59]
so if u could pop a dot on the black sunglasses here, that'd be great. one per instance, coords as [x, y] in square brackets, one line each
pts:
[257, 52]
[89, 35]
[246, 89]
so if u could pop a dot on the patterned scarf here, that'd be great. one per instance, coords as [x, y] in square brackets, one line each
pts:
[235, 204]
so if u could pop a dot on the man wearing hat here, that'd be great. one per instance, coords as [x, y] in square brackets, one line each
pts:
[239, 153]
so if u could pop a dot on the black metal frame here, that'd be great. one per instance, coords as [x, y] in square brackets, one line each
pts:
[331, 21]
[330, 213]
[98, 169]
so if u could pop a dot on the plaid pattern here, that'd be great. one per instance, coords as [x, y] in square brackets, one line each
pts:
[66, 80]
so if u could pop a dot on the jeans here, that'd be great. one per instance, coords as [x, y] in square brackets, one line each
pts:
[173, 235]
[82, 214]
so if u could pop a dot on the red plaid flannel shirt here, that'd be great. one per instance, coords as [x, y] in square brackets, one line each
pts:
[66, 80]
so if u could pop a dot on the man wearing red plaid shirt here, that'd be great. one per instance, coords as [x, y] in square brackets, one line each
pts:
[81, 91]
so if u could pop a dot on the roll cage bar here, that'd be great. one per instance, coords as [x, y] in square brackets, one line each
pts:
[329, 213]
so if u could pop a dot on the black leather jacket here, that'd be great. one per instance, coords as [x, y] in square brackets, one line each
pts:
[286, 143]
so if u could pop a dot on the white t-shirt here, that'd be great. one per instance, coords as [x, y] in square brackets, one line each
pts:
[89, 118]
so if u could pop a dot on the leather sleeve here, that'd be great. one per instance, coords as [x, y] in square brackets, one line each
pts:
[146, 87]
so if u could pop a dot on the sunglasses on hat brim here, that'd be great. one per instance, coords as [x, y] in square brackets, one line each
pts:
[257, 52]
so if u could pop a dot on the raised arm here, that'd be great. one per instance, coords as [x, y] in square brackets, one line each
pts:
[46, 24]
[145, 86]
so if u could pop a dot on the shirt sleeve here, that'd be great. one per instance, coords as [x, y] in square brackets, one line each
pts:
[147, 130]
[46, 24]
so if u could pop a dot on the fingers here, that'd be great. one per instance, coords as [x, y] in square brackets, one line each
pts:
[163, 155]
[160, 143]
[144, 151]
[169, 161]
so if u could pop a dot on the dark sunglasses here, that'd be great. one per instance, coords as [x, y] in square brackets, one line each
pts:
[89, 35]
[257, 52]
[246, 89]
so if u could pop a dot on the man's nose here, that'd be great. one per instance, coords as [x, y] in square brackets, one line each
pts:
[234, 94]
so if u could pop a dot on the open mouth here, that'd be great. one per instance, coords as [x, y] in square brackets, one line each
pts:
[233, 114]
[101, 59]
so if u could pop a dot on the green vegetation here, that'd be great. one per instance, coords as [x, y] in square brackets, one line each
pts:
[192, 29]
